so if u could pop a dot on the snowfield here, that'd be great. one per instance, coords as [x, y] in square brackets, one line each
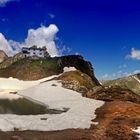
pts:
[8, 85]
[52, 94]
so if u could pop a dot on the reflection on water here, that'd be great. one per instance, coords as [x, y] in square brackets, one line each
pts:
[23, 106]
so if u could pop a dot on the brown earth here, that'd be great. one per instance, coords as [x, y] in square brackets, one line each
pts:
[115, 122]
[113, 93]
[77, 81]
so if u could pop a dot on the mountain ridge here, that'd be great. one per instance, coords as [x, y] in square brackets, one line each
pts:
[131, 82]
[34, 69]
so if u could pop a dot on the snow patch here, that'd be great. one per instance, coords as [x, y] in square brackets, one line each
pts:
[81, 110]
[8, 85]
[67, 69]
[5, 94]
[16, 84]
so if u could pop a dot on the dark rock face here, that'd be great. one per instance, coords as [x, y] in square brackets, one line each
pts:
[79, 63]
[138, 76]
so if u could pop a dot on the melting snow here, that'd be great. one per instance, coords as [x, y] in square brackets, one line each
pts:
[50, 93]
[67, 69]
[5, 94]
[16, 84]
[81, 110]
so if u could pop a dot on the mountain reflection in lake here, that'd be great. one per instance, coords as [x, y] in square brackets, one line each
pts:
[23, 106]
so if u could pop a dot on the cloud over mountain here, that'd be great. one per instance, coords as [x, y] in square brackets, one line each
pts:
[134, 54]
[42, 36]
[4, 45]
[4, 2]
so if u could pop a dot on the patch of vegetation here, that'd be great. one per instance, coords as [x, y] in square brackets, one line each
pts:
[31, 69]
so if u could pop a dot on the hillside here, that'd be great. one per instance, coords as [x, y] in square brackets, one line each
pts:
[70, 101]
[131, 82]
[31, 69]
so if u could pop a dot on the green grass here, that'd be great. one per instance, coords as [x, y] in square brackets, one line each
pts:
[31, 69]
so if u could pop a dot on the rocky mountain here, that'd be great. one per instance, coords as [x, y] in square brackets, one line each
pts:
[3, 56]
[115, 119]
[34, 69]
[77, 81]
[113, 93]
[131, 82]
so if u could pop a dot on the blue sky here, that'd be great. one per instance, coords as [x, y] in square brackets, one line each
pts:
[103, 31]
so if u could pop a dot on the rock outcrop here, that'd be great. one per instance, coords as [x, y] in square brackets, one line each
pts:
[77, 81]
[79, 63]
[114, 93]
[131, 82]
[3, 56]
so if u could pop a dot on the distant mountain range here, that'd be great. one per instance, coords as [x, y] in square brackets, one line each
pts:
[131, 82]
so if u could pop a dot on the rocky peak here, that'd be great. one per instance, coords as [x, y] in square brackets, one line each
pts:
[137, 76]
[3, 56]
[79, 63]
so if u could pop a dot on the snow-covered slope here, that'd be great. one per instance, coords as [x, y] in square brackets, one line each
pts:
[8, 85]
[81, 110]
[15, 84]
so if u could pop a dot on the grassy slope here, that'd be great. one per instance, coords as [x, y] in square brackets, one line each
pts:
[27, 69]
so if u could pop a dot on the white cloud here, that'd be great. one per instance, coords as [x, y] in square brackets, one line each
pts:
[52, 16]
[124, 66]
[42, 36]
[4, 2]
[4, 19]
[105, 76]
[135, 54]
[4, 45]
[136, 71]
